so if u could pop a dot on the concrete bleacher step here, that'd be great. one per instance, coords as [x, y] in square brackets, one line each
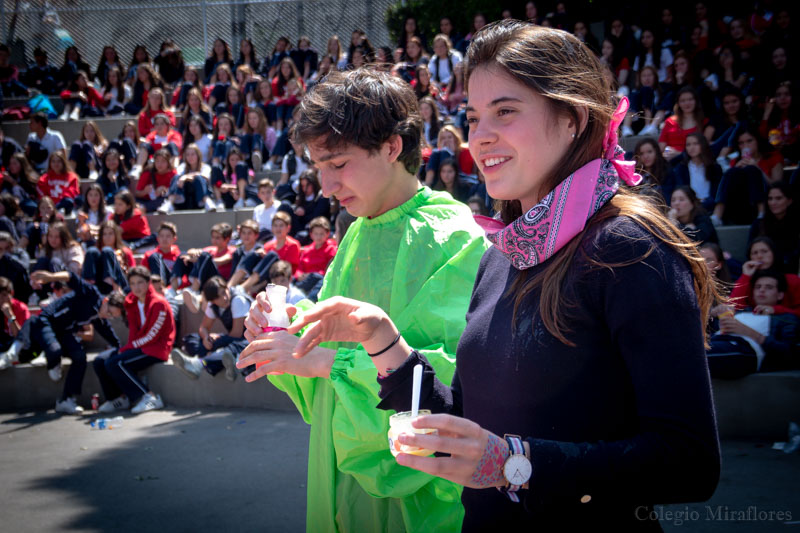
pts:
[759, 406]
[70, 129]
[29, 387]
[194, 226]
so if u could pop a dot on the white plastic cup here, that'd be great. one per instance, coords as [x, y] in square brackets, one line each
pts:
[401, 423]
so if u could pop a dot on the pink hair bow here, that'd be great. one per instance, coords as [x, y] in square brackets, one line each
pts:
[613, 152]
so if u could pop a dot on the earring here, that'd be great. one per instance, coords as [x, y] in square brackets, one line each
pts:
[573, 135]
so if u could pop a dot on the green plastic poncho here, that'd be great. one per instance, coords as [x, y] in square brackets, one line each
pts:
[418, 263]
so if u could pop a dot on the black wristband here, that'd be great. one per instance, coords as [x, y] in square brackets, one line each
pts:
[395, 341]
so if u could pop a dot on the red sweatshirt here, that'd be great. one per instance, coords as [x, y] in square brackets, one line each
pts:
[224, 270]
[290, 251]
[21, 313]
[59, 186]
[169, 259]
[157, 335]
[161, 180]
[93, 97]
[146, 120]
[741, 295]
[172, 137]
[135, 227]
[316, 260]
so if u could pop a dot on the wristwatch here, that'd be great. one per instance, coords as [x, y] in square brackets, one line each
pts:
[517, 468]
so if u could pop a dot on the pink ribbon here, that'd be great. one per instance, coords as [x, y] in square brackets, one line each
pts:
[625, 169]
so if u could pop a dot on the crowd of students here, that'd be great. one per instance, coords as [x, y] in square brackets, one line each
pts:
[712, 98]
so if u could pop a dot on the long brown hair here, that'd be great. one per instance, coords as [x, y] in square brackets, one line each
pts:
[557, 66]
[67, 240]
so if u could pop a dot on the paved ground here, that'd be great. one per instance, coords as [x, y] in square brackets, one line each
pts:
[209, 470]
[245, 470]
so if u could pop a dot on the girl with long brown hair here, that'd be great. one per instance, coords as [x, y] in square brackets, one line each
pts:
[107, 263]
[564, 393]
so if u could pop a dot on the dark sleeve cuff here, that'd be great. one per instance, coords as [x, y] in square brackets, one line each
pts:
[396, 388]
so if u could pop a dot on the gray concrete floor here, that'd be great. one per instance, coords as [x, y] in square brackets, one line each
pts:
[245, 470]
[185, 470]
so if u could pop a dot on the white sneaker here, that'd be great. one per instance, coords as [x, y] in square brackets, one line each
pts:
[191, 366]
[209, 204]
[239, 204]
[229, 362]
[114, 405]
[166, 208]
[55, 373]
[269, 165]
[69, 407]
[650, 129]
[149, 402]
[75, 114]
[170, 294]
[220, 205]
[64, 116]
[7, 359]
[627, 131]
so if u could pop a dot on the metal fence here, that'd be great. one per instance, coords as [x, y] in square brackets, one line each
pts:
[194, 25]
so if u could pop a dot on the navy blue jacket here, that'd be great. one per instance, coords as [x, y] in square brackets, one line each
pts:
[78, 308]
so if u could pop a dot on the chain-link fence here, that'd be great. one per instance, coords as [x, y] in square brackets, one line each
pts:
[55, 25]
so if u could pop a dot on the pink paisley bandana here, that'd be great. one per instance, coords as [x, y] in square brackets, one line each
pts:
[562, 214]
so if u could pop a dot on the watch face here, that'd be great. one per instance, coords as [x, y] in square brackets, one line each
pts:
[517, 469]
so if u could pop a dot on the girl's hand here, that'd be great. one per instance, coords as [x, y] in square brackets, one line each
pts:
[750, 267]
[764, 310]
[477, 456]
[341, 319]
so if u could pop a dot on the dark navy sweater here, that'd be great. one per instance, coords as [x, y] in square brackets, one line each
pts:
[623, 420]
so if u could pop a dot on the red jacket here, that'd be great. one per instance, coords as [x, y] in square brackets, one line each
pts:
[290, 251]
[157, 335]
[146, 120]
[93, 97]
[742, 295]
[172, 137]
[169, 259]
[21, 313]
[135, 227]
[316, 260]
[160, 180]
[59, 186]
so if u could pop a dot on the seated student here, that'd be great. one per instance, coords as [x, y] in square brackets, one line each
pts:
[36, 232]
[85, 153]
[762, 254]
[156, 104]
[59, 183]
[113, 176]
[223, 139]
[15, 314]
[753, 339]
[81, 99]
[42, 142]
[696, 169]
[190, 184]
[264, 211]
[60, 251]
[20, 180]
[161, 259]
[11, 216]
[152, 188]
[42, 75]
[256, 138]
[195, 107]
[688, 214]
[742, 191]
[781, 223]
[649, 105]
[197, 133]
[248, 233]
[116, 94]
[127, 144]
[294, 164]
[309, 204]
[233, 105]
[54, 330]
[202, 264]
[135, 228]
[14, 265]
[284, 246]
[107, 264]
[230, 184]
[453, 181]
[150, 339]
[450, 144]
[315, 258]
[280, 273]
[90, 215]
[688, 118]
[211, 351]
[162, 137]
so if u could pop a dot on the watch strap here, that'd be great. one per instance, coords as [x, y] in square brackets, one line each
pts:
[515, 447]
